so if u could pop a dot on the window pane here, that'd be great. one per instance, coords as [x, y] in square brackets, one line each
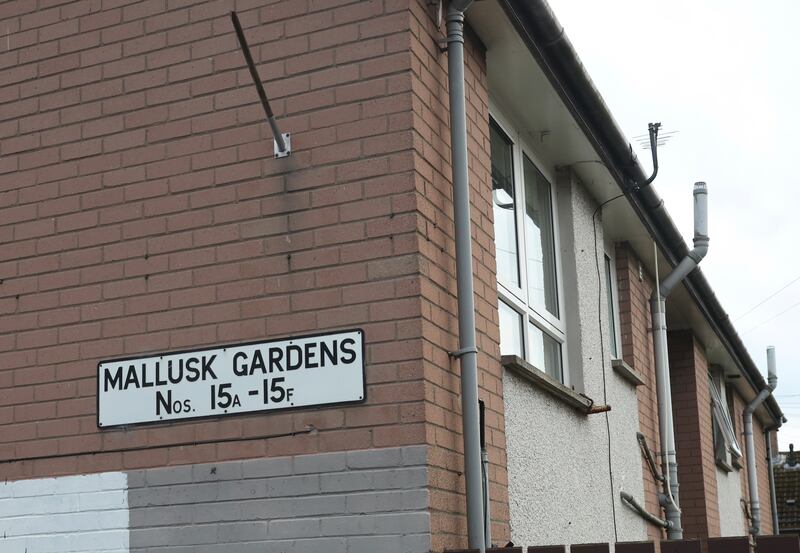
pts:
[722, 417]
[539, 244]
[612, 323]
[510, 331]
[720, 448]
[545, 352]
[505, 228]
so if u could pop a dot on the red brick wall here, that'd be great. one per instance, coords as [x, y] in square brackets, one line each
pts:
[141, 211]
[762, 471]
[637, 351]
[691, 402]
[438, 285]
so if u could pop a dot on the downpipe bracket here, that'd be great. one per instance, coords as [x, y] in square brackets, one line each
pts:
[462, 352]
[455, 31]
[664, 502]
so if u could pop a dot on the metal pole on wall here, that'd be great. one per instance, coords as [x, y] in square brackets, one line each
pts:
[468, 352]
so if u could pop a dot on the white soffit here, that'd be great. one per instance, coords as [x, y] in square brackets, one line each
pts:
[519, 85]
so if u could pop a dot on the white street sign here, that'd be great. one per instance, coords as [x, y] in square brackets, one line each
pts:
[266, 376]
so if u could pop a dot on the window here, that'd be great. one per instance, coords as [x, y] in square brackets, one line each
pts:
[505, 225]
[736, 461]
[726, 449]
[531, 320]
[539, 241]
[614, 340]
[510, 331]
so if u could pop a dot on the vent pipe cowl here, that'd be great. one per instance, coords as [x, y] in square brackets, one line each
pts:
[772, 371]
[693, 258]
[700, 220]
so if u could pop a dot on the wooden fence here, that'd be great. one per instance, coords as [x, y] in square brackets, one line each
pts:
[762, 544]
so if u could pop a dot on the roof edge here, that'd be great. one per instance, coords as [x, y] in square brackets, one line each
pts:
[547, 41]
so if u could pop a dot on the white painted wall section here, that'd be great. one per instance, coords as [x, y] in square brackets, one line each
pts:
[729, 494]
[68, 514]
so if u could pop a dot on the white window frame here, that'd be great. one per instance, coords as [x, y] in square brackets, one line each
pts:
[609, 251]
[728, 452]
[515, 296]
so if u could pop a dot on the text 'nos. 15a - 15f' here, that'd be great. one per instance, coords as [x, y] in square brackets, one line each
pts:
[278, 374]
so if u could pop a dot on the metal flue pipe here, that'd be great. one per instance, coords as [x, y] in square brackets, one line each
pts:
[700, 240]
[669, 460]
[468, 352]
[747, 417]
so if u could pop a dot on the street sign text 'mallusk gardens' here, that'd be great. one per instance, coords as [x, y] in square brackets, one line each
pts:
[278, 374]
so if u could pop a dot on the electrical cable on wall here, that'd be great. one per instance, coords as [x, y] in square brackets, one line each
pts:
[653, 131]
[603, 360]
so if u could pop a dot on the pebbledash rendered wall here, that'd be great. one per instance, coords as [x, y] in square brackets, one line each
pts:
[141, 211]
[562, 462]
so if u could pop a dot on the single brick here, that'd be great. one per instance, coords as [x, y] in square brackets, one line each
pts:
[261, 468]
[320, 463]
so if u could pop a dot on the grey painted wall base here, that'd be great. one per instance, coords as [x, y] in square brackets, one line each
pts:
[347, 502]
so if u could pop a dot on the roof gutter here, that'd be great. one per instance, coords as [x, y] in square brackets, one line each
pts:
[545, 37]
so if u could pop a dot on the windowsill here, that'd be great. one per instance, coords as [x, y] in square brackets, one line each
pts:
[626, 372]
[724, 466]
[547, 383]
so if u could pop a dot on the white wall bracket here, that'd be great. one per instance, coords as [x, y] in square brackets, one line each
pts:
[287, 141]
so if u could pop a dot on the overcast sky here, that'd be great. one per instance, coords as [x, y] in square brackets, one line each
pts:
[725, 74]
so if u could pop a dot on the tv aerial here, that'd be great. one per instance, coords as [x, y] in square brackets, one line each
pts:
[643, 140]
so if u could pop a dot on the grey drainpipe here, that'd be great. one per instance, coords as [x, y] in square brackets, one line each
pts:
[773, 501]
[670, 499]
[468, 352]
[752, 477]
